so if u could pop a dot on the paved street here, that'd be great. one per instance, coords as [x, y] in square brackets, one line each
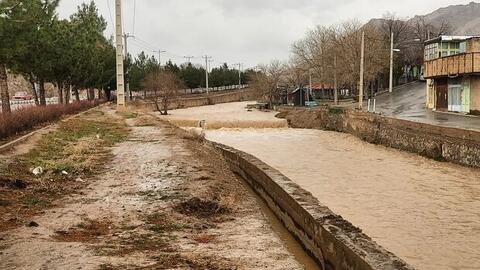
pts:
[408, 102]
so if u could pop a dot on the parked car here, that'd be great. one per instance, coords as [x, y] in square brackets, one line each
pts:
[22, 96]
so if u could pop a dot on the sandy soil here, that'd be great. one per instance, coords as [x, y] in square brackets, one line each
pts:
[166, 201]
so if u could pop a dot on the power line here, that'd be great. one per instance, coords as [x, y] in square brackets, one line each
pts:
[134, 15]
[144, 44]
[140, 45]
[110, 13]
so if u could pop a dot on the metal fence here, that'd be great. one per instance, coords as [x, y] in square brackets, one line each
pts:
[19, 104]
[195, 91]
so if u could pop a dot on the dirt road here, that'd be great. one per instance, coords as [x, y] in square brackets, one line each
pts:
[164, 200]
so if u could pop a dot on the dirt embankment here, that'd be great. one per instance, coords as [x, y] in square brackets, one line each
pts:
[144, 196]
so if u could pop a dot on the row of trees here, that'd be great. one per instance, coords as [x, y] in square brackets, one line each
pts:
[193, 76]
[71, 53]
[332, 54]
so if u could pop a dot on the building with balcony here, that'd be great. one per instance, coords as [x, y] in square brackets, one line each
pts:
[452, 70]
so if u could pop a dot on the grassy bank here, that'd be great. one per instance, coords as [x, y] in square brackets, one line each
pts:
[25, 119]
[66, 158]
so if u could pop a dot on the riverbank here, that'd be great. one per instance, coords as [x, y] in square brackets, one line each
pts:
[160, 198]
[454, 145]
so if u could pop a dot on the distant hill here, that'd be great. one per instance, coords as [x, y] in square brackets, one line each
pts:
[462, 19]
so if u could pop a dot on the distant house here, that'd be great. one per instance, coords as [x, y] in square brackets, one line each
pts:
[452, 71]
[323, 91]
[327, 91]
[299, 97]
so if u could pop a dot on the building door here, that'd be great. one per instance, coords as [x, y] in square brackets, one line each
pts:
[466, 95]
[454, 95]
[441, 94]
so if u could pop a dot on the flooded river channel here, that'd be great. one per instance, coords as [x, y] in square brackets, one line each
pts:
[426, 212]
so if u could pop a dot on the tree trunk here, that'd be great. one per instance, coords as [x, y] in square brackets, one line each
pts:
[34, 90]
[91, 93]
[108, 94]
[43, 101]
[77, 94]
[5, 96]
[66, 87]
[60, 92]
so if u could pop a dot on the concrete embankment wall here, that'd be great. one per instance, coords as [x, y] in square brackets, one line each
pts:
[332, 241]
[213, 98]
[440, 143]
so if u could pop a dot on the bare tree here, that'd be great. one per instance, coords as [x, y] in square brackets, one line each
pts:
[424, 30]
[402, 31]
[165, 86]
[268, 81]
[296, 74]
[342, 42]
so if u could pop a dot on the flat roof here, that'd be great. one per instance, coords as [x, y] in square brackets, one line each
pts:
[448, 38]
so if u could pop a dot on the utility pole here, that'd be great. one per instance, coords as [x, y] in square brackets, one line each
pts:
[362, 60]
[310, 83]
[390, 85]
[239, 75]
[189, 58]
[160, 57]
[127, 89]
[335, 86]
[119, 55]
[207, 58]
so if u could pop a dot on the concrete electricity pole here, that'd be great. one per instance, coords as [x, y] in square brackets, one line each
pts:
[310, 83]
[119, 54]
[127, 89]
[207, 58]
[390, 85]
[160, 56]
[189, 58]
[335, 86]
[239, 74]
[362, 60]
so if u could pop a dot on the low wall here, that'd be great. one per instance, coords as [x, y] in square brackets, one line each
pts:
[332, 241]
[440, 143]
[213, 98]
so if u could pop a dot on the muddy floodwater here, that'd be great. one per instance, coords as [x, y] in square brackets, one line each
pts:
[426, 212]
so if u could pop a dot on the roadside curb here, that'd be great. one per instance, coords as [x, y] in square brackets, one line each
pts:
[8, 146]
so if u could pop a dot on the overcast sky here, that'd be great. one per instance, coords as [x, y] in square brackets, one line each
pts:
[232, 31]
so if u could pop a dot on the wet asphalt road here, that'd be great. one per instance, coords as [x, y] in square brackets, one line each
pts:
[408, 102]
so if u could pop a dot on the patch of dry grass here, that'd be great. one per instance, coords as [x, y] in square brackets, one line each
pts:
[76, 150]
[86, 232]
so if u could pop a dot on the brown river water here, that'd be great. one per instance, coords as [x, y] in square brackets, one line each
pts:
[424, 211]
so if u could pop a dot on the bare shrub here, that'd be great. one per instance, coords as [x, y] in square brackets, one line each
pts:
[165, 86]
[27, 118]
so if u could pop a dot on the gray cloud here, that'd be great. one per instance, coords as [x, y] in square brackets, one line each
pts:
[248, 31]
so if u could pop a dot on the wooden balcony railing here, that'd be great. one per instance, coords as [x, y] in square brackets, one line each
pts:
[449, 66]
